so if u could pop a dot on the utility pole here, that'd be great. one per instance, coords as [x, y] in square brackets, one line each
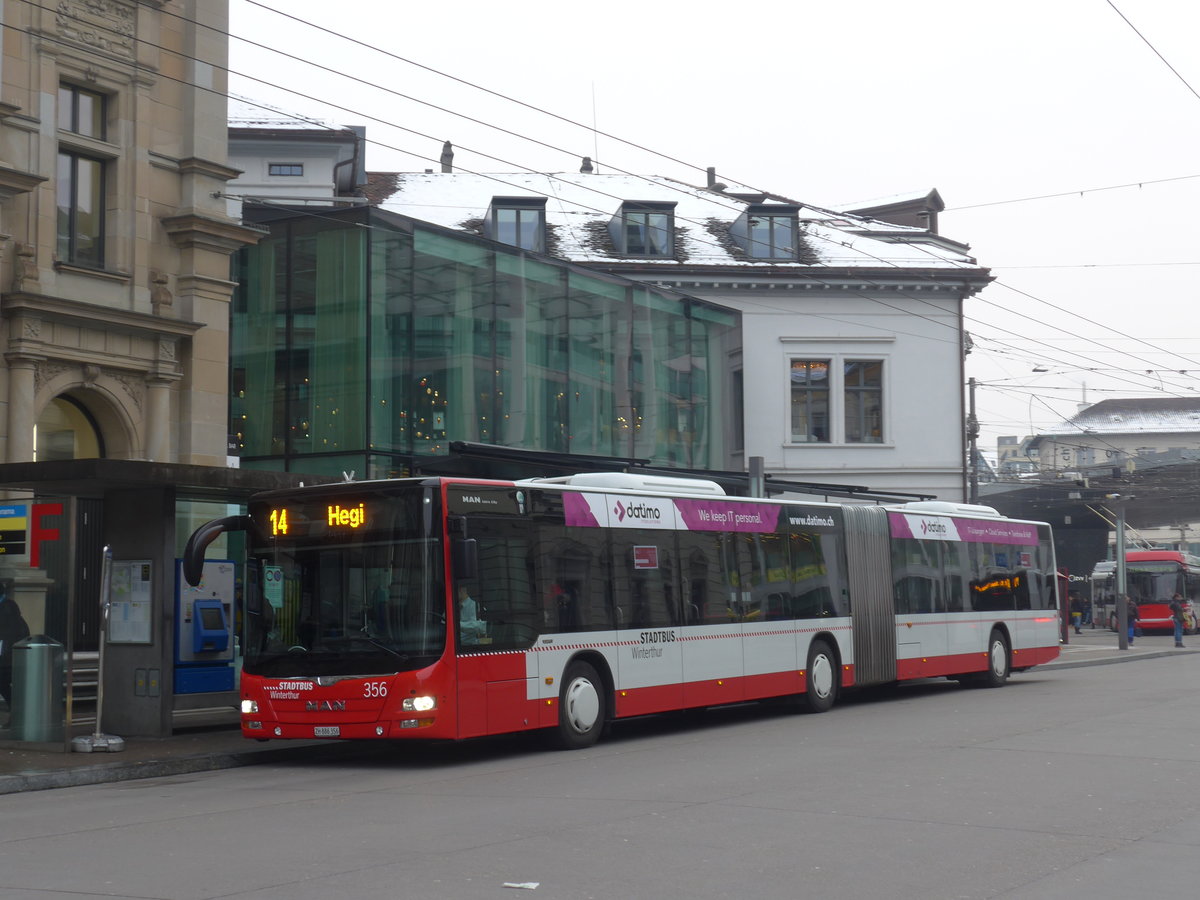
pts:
[1122, 599]
[972, 446]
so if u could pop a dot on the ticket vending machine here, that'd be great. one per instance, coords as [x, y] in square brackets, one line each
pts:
[204, 623]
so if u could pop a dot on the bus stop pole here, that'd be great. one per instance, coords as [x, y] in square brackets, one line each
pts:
[97, 742]
[1122, 599]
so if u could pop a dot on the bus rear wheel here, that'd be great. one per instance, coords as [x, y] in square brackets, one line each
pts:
[998, 661]
[580, 707]
[821, 678]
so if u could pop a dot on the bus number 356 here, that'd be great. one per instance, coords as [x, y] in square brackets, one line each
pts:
[375, 689]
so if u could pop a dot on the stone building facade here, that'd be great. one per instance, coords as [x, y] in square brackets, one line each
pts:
[114, 237]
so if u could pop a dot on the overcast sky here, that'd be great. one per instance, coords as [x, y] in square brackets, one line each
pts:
[991, 102]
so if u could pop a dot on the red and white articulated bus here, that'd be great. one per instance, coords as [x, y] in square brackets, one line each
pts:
[454, 608]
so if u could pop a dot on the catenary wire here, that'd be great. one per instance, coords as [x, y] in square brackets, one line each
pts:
[664, 156]
[819, 237]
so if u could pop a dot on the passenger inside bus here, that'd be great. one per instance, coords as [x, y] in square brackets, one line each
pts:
[471, 628]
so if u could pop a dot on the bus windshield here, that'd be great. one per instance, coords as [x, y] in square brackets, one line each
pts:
[347, 585]
[1154, 586]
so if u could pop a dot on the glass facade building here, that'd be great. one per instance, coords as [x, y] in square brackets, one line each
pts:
[366, 341]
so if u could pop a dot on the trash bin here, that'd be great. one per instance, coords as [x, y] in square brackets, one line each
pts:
[37, 694]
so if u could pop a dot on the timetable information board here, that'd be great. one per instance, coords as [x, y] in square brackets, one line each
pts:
[129, 613]
[14, 526]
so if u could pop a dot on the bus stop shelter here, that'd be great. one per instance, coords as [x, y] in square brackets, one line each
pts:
[56, 518]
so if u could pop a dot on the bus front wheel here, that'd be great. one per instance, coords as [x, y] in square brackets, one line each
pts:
[821, 678]
[580, 707]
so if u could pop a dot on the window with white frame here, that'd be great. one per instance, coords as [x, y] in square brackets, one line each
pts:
[291, 170]
[829, 391]
[810, 401]
[862, 388]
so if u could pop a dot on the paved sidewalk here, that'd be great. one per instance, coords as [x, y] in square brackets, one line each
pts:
[186, 751]
[1098, 646]
[201, 749]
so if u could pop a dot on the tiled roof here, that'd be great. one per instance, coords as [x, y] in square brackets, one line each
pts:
[580, 206]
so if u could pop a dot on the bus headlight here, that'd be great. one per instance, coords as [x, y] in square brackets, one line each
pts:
[249, 707]
[418, 704]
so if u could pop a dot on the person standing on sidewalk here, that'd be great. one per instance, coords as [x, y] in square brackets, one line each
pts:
[1176, 607]
[1076, 611]
[13, 628]
[1132, 608]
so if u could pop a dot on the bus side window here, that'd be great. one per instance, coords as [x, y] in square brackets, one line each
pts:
[506, 591]
[644, 586]
[702, 584]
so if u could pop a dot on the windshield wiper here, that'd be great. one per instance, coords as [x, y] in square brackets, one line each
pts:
[374, 642]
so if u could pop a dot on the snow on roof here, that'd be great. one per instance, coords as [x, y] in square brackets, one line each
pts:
[1158, 415]
[579, 207]
[246, 113]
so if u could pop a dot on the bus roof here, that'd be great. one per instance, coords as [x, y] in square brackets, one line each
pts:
[659, 484]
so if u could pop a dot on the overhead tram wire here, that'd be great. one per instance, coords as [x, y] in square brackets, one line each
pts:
[1132, 265]
[1152, 386]
[1192, 363]
[808, 234]
[490, 177]
[872, 299]
[1155, 49]
[512, 163]
[545, 112]
[1093, 340]
[1078, 193]
[591, 128]
[716, 196]
[499, 180]
[524, 137]
[1088, 364]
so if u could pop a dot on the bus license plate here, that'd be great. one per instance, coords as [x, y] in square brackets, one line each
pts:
[327, 731]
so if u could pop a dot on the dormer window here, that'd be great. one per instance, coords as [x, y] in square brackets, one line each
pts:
[773, 236]
[648, 229]
[519, 222]
[288, 169]
[768, 231]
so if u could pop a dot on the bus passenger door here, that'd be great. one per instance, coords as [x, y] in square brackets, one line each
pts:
[649, 624]
[498, 674]
[964, 625]
[922, 633]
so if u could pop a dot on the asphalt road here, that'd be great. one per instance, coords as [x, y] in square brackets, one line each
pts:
[1071, 782]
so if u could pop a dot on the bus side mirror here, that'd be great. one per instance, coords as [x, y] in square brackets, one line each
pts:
[193, 553]
[464, 556]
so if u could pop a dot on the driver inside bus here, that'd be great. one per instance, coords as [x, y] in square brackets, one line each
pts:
[471, 628]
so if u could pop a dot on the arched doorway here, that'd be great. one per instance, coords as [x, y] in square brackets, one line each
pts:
[66, 430]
